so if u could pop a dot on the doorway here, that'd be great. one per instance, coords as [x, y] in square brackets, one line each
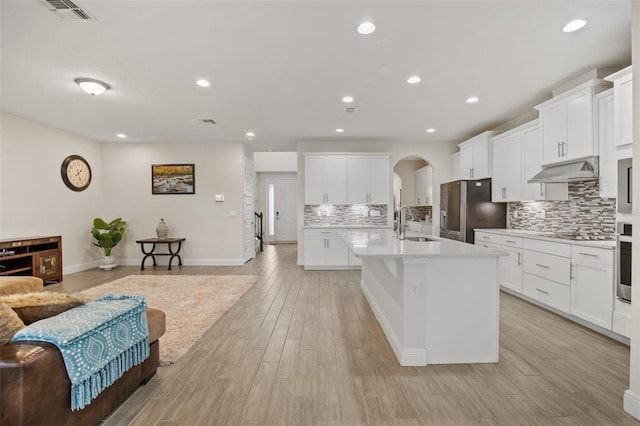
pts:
[281, 210]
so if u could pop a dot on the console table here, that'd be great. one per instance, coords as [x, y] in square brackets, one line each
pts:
[155, 241]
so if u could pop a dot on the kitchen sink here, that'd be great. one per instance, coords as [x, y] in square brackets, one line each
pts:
[419, 239]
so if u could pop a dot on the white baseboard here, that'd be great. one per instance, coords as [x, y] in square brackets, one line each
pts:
[79, 268]
[162, 261]
[631, 403]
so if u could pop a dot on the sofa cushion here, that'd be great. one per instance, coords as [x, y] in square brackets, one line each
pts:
[15, 285]
[32, 307]
[10, 323]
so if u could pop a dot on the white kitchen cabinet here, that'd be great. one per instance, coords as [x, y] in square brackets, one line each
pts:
[455, 166]
[607, 163]
[512, 264]
[532, 164]
[424, 186]
[325, 179]
[623, 106]
[367, 179]
[475, 157]
[622, 318]
[546, 273]
[566, 124]
[506, 152]
[592, 285]
[324, 249]
[546, 291]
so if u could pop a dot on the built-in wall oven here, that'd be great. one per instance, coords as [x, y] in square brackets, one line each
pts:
[623, 290]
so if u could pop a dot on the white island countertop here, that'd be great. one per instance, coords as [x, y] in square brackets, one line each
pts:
[384, 243]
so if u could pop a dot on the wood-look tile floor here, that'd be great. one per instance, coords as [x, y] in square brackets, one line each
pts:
[303, 348]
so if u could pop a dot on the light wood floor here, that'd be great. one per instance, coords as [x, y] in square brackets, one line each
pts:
[303, 348]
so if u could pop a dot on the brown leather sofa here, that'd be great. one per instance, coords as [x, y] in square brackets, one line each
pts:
[35, 388]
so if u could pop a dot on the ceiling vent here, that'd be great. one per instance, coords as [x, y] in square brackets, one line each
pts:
[350, 110]
[67, 10]
[207, 120]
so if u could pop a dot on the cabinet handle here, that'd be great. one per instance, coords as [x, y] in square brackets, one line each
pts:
[519, 261]
[589, 254]
[564, 151]
[541, 193]
[326, 232]
[570, 272]
[542, 291]
[542, 266]
[559, 153]
[484, 237]
[471, 172]
[328, 242]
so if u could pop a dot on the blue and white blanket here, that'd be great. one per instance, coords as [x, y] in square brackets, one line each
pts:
[99, 342]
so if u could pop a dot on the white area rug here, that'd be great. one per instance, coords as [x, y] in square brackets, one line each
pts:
[192, 303]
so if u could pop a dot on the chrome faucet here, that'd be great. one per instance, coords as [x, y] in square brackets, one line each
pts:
[401, 221]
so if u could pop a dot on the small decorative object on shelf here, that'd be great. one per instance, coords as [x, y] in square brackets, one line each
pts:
[162, 230]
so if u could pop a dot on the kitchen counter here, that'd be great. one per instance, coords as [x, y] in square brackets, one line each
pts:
[385, 244]
[436, 301]
[548, 236]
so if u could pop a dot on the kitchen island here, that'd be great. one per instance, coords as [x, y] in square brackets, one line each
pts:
[437, 300]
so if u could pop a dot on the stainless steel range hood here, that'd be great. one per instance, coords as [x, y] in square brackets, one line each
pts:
[571, 171]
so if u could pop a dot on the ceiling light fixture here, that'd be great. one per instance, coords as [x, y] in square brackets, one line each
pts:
[347, 99]
[339, 130]
[366, 28]
[431, 130]
[250, 134]
[203, 83]
[472, 99]
[574, 25]
[414, 79]
[92, 86]
[121, 135]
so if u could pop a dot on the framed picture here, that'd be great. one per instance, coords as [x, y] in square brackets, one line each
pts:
[173, 179]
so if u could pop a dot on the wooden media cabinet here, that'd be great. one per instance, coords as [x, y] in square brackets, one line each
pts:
[33, 256]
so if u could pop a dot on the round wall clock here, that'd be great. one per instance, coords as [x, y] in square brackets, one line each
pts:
[76, 173]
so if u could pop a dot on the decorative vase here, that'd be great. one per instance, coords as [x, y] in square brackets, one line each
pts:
[162, 230]
[108, 263]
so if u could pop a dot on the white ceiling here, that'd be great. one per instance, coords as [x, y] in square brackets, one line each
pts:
[280, 69]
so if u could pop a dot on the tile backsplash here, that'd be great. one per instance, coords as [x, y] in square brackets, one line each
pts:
[583, 216]
[345, 214]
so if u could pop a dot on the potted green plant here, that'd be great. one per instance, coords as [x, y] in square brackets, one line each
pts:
[107, 235]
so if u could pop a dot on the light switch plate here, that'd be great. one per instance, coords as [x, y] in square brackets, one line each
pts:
[219, 198]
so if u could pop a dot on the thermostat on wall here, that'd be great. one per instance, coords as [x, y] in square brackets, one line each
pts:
[219, 198]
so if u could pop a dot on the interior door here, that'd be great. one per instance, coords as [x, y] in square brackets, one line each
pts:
[285, 207]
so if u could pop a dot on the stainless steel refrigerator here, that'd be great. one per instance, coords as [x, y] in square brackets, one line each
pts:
[466, 205]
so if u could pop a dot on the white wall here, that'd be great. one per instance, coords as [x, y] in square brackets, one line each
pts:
[632, 395]
[34, 200]
[213, 235]
[438, 154]
[275, 161]
[406, 169]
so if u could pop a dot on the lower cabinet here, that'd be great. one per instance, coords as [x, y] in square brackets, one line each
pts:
[575, 279]
[324, 249]
[592, 292]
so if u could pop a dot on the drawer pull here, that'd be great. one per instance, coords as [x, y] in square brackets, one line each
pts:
[519, 260]
[542, 291]
[326, 232]
[509, 241]
[588, 254]
[484, 237]
[542, 266]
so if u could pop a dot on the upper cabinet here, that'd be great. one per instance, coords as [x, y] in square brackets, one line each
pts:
[623, 107]
[567, 124]
[325, 179]
[475, 157]
[367, 179]
[516, 159]
[346, 179]
[424, 185]
[605, 127]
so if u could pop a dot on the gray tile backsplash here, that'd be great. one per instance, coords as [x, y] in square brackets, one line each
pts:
[584, 216]
[345, 215]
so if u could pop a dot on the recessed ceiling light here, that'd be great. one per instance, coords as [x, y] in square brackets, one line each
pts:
[472, 99]
[414, 79]
[203, 83]
[574, 25]
[92, 86]
[347, 99]
[431, 130]
[250, 134]
[339, 130]
[121, 135]
[366, 28]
